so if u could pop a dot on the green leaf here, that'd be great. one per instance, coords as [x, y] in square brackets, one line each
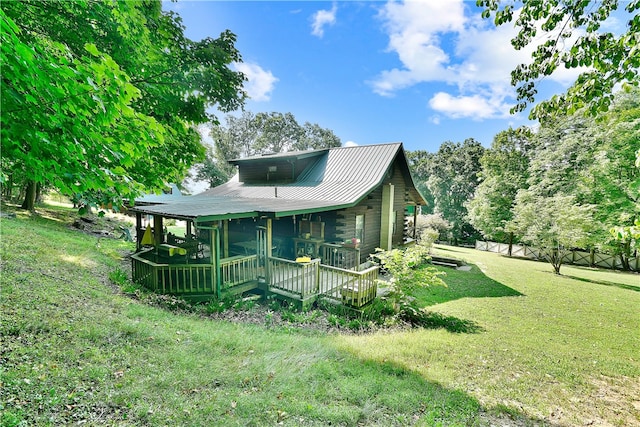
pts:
[92, 49]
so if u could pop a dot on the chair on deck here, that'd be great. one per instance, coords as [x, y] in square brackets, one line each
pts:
[192, 245]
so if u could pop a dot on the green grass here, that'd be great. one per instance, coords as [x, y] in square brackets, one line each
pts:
[562, 348]
[76, 350]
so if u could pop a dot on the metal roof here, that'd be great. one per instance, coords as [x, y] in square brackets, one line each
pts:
[286, 155]
[173, 194]
[339, 177]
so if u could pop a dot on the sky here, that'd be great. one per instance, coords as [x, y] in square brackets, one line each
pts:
[417, 72]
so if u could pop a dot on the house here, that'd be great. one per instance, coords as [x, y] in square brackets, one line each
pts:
[297, 225]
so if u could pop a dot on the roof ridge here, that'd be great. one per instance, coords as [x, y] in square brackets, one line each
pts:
[367, 145]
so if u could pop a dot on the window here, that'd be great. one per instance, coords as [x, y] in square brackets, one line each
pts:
[360, 228]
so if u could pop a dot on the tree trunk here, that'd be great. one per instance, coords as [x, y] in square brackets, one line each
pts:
[556, 260]
[29, 202]
[625, 254]
[510, 243]
[38, 198]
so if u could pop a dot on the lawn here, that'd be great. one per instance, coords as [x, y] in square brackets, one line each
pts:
[545, 349]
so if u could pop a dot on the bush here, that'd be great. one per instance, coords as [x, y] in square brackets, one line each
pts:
[121, 279]
[409, 270]
[436, 223]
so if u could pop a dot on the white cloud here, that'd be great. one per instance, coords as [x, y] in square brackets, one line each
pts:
[323, 18]
[475, 107]
[350, 144]
[414, 30]
[260, 82]
[436, 42]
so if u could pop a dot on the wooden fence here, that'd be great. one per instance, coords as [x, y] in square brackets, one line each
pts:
[575, 257]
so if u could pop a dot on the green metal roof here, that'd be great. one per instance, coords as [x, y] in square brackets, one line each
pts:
[285, 155]
[338, 178]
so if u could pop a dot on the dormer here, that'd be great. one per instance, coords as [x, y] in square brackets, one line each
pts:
[276, 168]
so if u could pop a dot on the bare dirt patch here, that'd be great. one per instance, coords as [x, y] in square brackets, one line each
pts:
[616, 399]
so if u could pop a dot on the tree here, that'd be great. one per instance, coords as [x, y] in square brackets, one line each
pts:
[453, 177]
[504, 171]
[420, 164]
[570, 35]
[235, 140]
[612, 180]
[554, 225]
[627, 237]
[278, 132]
[59, 109]
[409, 269]
[585, 166]
[210, 171]
[315, 137]
[99, 98]
[551, 212]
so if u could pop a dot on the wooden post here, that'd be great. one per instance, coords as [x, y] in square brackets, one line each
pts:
[215, 258]
[225, 236]
[157, 230]
[510, 244]
[268, 250]
[139, 231]
[386, 222]
[188, 229]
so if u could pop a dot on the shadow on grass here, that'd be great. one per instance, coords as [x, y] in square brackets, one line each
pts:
[423, 402]
[435, 320]
[605, 283]
[472, 283]
[442, 247]
[463, 284]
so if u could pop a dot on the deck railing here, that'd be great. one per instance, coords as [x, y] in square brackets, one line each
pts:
[294, 277]
[299, 280]
[354, 288]
[238, 270]
[175, 279]
[340, 256]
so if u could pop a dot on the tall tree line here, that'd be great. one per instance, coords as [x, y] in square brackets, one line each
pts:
[573, 183]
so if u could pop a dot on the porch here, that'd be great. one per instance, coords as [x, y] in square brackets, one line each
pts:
[300, 282]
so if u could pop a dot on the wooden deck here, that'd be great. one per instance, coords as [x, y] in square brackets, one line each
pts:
[175, 279]
[301, 282]
[307, 281]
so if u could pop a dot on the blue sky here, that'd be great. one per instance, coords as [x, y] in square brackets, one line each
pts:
[419, 72]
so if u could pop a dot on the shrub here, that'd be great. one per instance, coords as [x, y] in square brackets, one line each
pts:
[409, 270]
